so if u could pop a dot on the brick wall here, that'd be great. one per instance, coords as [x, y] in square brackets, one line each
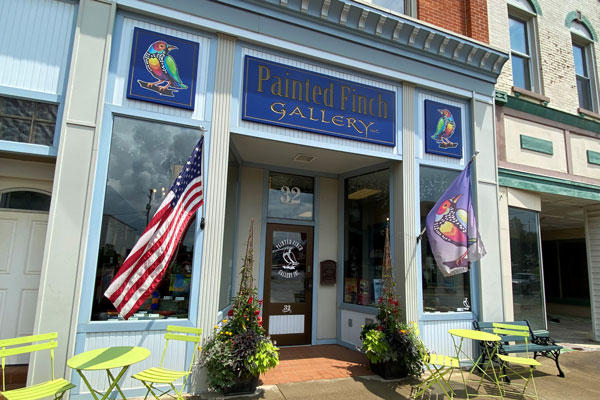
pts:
[466, 17]
[555, 50]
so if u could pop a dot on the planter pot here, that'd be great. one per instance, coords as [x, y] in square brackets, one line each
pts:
[390, 369]
[242, 385]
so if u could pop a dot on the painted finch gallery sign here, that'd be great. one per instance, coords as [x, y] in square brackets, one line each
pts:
[295, 98]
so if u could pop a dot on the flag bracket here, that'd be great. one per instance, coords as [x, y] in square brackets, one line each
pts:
[421, 234]
[202, 224]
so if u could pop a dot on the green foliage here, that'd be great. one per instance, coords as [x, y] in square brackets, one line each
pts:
[375, 346]
[239, 346]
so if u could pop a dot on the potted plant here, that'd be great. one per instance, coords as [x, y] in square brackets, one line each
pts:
[239, 349]
[390, 344]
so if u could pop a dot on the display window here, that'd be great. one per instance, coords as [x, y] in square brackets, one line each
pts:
[145, 158]
[366, 215]
[440, 293]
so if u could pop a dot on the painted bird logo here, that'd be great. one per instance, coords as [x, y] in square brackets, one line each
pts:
[290, 259]
[451, 225]
[445, 129]
[162, 66]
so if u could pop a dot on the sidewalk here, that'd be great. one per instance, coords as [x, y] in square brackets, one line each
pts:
[581, 382]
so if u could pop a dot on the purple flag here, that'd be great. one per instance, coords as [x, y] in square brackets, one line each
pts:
[452, 228]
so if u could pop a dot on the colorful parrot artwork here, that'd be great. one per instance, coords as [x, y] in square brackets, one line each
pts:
[445, 129]
[451, 225]
[161, 65]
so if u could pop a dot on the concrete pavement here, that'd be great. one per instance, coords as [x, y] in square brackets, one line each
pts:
[581, 382]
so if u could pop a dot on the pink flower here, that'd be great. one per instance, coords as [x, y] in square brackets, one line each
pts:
[250, 300]
[256, 312]
[260, 302]
[230, 312]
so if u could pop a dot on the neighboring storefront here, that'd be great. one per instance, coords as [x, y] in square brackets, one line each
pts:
[319, 126]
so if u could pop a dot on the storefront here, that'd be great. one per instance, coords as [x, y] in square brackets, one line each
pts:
[316, 126]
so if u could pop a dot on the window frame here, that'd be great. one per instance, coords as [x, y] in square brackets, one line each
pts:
[529, 18]
[587, 46]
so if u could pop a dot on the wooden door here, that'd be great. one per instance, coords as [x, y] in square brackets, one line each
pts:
[287, 311]
[22, 240]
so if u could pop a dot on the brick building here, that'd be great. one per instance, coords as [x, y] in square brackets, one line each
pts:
[89, 147]
[548, 144]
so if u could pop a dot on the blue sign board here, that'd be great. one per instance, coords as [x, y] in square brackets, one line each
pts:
[443, 129]
[281, 95]
[163, 69]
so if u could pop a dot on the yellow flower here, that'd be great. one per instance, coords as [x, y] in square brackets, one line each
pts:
[200, 348]
[224, 321]
[216, 326]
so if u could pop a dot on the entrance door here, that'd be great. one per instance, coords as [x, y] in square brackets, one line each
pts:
[22, 240]
[288, 283]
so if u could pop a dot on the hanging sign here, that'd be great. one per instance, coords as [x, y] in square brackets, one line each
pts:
[163, 69]
[281, 95]
[443, 129]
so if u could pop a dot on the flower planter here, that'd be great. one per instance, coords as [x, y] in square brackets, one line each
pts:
[390, 369]
[242, 385]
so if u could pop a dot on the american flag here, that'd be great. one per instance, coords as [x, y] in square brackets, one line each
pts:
[145, 265]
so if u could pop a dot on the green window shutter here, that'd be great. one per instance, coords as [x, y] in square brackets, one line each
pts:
[593, 157]
[537, 145]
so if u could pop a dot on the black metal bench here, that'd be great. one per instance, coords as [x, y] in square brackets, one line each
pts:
[538, 342]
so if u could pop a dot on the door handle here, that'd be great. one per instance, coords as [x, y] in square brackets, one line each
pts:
[308, 269]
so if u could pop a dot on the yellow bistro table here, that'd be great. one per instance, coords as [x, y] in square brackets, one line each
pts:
[106, 359]
[492, 341]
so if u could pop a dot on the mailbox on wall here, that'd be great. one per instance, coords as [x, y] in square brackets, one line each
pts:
[328, 272]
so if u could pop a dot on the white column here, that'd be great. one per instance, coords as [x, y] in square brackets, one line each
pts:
[592, 237]
[405, 234]
[487, 209]
[216, 187]
[68, 222]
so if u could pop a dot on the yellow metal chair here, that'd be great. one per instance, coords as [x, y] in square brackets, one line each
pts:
[508, 363]
[29, 344]
[440, 369]
[164, 376]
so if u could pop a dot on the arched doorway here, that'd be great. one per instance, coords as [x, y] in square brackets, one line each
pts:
[23, 225]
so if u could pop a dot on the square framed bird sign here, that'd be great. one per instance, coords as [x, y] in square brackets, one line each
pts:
[163, 69]
[443, 129]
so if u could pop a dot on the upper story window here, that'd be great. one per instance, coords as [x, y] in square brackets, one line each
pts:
[584, 68]
[523, 45]
[397, 6]
[27, 121]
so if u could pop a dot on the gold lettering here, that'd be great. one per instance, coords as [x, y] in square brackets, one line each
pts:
[385, 111]
[263, 77]
[311, 115]
[306, 84]
[297, 111]
[280, 110]
[338, 120]
[371, 113]
[316, 92]
[366, 126]
[362, 104]
[345, 97]
[276, 86]
[296, 84]
[328, 96]
[323, 117]
[352, 124]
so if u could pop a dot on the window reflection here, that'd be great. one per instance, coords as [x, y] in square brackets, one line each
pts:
[145, 158]
[366, 214]
[526, 267]
[440, 294]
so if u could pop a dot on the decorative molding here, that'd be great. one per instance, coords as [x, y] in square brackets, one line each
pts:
[379, 29]
[443, 45]
[413, 36]
[471, 55]
[537, 145]
[528, 93]
[363, 20]
[593, 157]
[501, 97]
[457, 51]
[305, 4]
[344, 14]
[587, 113]
[428, 41]
[396, 33]
[545, 184]
[578, 16]
[325, 9]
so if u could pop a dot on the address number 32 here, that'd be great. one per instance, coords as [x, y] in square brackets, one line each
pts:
[290, 196]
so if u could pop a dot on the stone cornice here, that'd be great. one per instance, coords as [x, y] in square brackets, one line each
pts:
[372, 27]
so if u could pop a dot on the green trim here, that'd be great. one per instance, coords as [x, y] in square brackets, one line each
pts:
[538, 183]
[501, 97]
[536, 6]
[537, 145]
[553, 114]
[593, 157]
[573, 15]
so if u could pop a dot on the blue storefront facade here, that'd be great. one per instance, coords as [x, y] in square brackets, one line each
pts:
[317, 120]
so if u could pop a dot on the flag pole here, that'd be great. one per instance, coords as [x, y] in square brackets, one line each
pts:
[420, 235]
[203, 219]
